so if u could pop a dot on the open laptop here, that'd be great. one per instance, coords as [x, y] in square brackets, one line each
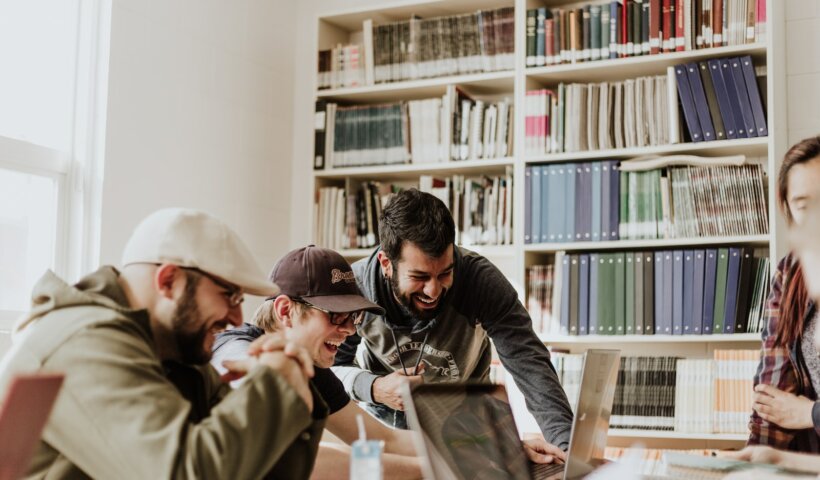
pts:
[467, 431]
[23, 414]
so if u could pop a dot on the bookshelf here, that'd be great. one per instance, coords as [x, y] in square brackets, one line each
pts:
[514, 259]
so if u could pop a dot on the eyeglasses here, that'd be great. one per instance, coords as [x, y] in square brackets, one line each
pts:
[234, 294]
[336, 318]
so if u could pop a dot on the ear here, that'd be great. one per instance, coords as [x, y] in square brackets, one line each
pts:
[283, 306]
[164, 279]
[386, 264]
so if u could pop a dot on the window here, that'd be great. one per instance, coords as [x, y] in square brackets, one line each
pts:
[53, 54]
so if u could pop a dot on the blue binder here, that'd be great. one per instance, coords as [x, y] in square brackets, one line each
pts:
[709, 281]
[734, 99]
[688, 104]
[537, 201]
[604, 200]
[701, 105]
[528, 206]
[668, 292]
[758, 111]
[549, 205]
[688, 291]
[571, 202]
[595, 234]
[614, 200]
[743, 97]
[558, 199]
[722, 95]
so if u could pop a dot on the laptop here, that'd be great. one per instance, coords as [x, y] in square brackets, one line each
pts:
[467, 431]
[23, 415]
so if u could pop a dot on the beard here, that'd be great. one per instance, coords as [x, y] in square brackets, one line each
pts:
[190, 343]
[406, 300]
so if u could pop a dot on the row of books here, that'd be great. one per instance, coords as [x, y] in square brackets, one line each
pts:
[600, 201]
[483, 41]
[674, 394]
[626, 28]
[720, 99]
[481, 209]
[665, 292]
[599, 116]
[340, 67]
[453, 127]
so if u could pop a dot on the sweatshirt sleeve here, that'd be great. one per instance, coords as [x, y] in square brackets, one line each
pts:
[119, 417]
[521, 352]
[357, 381]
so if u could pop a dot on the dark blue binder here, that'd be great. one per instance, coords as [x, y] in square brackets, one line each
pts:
[734, 99]
[722, 95]
[614, 200]
[605, 184]
[592, 327]
[688, 291]
[701, 105]
[668, 292]
[648, 294]
[743, 97]
[677, 292]
[537, 201]
[528, 206]
[571, 202]
[732, 281]
[697, 291]
[688, 104]
[565, 295]
[548, 205]
[709, 281]
[658, 324]
[758, 111]
[583, 298]
[595, 233]
[748, 273]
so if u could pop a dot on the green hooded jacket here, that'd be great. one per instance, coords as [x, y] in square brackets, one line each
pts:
[122, 413]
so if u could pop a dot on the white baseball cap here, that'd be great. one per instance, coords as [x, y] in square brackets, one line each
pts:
[194, 239]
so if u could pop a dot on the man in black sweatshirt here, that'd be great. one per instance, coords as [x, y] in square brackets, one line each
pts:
[443, 304]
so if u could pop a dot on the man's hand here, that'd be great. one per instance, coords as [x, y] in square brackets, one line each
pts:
[782, 408]
[539, 451]
[387, 389]
[273, 342]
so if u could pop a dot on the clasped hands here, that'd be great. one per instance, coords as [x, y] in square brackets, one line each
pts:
[291, 361]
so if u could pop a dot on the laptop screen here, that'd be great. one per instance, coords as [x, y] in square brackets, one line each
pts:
[469, 431]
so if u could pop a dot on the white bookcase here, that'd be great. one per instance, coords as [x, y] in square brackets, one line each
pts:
[333, 28]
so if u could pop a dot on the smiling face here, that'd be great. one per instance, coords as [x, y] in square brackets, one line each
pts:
[202, 311]
[420, 282]
[311, 328]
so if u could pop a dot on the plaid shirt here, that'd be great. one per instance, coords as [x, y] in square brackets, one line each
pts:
[785, 369]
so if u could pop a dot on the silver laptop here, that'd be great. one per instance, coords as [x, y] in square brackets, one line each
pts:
[467, 431]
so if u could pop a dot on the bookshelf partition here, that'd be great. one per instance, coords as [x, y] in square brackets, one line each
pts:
[366, 47]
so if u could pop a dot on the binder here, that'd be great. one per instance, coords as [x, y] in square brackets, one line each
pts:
[606, 292]
[720, 289]
[565, 295]
[648, 294]
[556, 199]
[688, 104]
[677, 292]
[688, 291]
[593, 324]
[583, 290]
[743, 97]
[629, 293]
[528, 204]
[620, 293]
[614, 200]
[549, 204]
[709, 283]
[697, 290]
[732, 281]
[658, 291]
[605, 205]
[638, 293]
[701, 105]
[537, 201]
[722, 95]
[596, 191]
[668, 292]
[571, 199]
[758, 111]
[744, 290]
[734, 100]
[712, 101]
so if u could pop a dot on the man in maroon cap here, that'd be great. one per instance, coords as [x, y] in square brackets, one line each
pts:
[319, 306]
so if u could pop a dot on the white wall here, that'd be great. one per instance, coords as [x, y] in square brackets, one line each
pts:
[199, 115]
[803, 68]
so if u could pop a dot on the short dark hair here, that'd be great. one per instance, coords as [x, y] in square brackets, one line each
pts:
[419, 218]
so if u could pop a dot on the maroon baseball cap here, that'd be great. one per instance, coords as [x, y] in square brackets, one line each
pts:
[322, 277]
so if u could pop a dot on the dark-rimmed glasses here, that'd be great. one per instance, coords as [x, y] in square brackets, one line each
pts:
[336, 318]
[235, 295]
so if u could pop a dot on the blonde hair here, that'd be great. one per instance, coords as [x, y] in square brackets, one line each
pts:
[265, 316]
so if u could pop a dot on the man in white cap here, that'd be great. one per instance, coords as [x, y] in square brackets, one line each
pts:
[139, 398]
